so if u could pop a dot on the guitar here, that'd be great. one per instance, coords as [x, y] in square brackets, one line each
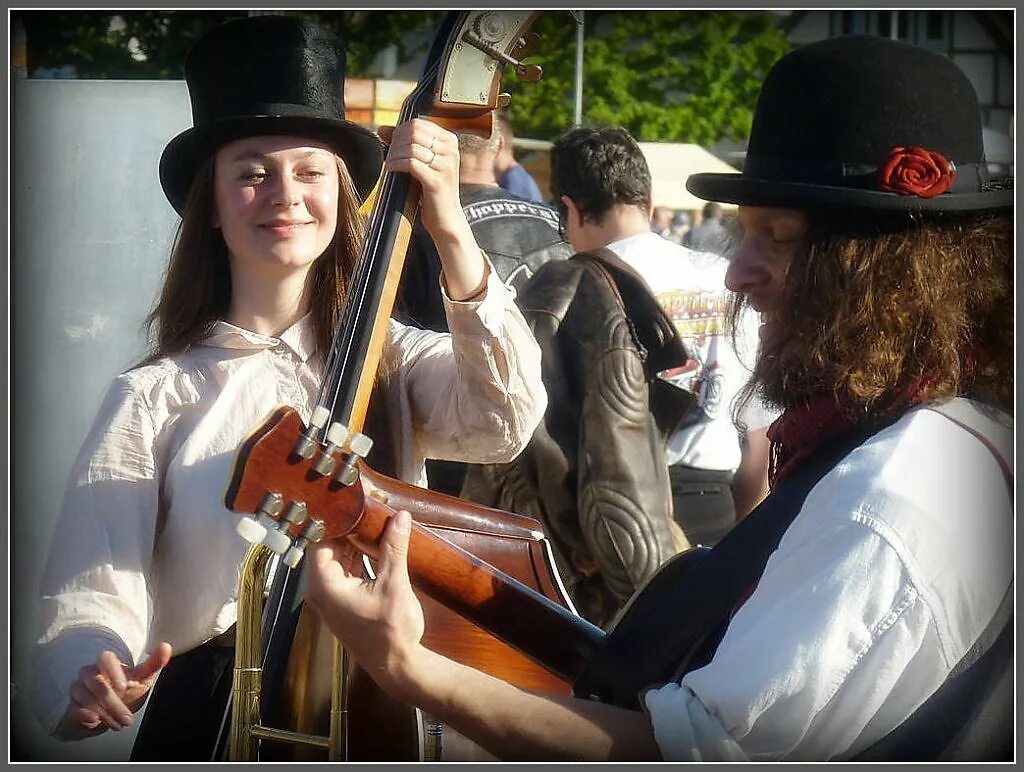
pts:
[669, 627]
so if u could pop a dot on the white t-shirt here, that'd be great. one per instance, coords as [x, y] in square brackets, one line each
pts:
[690, 286]
[895, 564]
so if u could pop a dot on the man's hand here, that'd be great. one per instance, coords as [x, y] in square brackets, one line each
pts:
[379, 621]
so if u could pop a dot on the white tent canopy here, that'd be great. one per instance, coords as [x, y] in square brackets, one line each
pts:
[671, 163]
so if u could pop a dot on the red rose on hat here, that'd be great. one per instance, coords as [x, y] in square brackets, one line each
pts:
[914, 171]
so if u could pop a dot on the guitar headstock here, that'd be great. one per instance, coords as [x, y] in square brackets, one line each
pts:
[296, 490]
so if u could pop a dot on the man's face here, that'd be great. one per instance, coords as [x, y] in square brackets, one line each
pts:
[757, 269]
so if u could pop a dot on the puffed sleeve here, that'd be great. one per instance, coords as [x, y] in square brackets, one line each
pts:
[94, 588]
[475, 394]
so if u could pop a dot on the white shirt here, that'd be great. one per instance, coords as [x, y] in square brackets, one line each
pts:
[690, 286]
[892, 569]
[144, 549]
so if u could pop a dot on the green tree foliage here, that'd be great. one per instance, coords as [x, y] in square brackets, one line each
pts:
[153, 44]
[683, 76]
[679, 76]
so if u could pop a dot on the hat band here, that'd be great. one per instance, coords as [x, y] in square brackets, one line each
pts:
[969, 177]
[271, 110]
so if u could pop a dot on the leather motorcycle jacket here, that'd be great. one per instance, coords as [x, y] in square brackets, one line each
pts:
[518, 236]
[594, 472]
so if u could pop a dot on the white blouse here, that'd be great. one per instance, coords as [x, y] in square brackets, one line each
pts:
[893, 568]
[144, 549]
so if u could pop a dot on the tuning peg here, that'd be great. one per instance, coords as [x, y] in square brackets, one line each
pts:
[313, 532]
[254, 529]
[504, 100]
[359, 446]
[307, 444]
[527, 73]
[336, 437]
[296, 513]
[277, 541]
[527, 45]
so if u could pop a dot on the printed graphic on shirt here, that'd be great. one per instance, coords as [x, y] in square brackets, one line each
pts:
[699, 317]
[503, 207]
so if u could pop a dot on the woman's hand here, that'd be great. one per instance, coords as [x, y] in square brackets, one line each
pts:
[108, 692]
[430, 154]
[379, 621]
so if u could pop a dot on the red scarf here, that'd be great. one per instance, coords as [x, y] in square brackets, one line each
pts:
[801, 430]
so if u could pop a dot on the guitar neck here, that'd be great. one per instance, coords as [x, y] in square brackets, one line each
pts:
[548, 633]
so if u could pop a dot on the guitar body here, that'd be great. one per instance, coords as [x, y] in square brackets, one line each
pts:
[379, 727]
[636, 656]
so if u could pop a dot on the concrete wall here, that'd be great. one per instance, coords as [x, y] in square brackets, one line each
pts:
[91, 233]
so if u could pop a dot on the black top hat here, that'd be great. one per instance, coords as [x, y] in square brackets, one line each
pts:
[267, 75]
[862, 122]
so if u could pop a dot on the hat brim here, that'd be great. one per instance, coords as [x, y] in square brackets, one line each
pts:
[361, 149]
[747, 191]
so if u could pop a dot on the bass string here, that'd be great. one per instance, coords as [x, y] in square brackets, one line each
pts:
[371, 261]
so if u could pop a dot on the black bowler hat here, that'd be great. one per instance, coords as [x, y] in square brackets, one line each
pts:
[865, 123]
[259, 75]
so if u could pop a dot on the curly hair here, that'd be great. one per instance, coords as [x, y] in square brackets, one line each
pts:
[876, 307]
[599, 167]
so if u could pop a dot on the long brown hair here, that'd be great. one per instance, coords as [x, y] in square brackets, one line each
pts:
[197, 284]
[874, 306]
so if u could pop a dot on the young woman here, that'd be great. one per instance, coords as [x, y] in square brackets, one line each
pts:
[144, 565]
[880, 257]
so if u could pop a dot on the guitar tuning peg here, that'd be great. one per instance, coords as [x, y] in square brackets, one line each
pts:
[250, 530]
[306, 445]
[504, 100]
[277, 541]
[359, 446]
[295, 514]
[255, 529]
[336, 437]
[313, 532]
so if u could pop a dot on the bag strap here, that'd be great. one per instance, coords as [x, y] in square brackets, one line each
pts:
[652, 329]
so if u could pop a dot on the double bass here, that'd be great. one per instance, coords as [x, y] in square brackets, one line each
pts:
[289, 671]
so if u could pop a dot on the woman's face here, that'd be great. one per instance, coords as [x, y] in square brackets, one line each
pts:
[276, 200]
[757, 268]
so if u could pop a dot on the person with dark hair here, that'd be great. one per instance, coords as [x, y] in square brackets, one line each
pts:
[717, 470]
[864, 611]
[511, 174]
[595, 473]
[142, 575]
